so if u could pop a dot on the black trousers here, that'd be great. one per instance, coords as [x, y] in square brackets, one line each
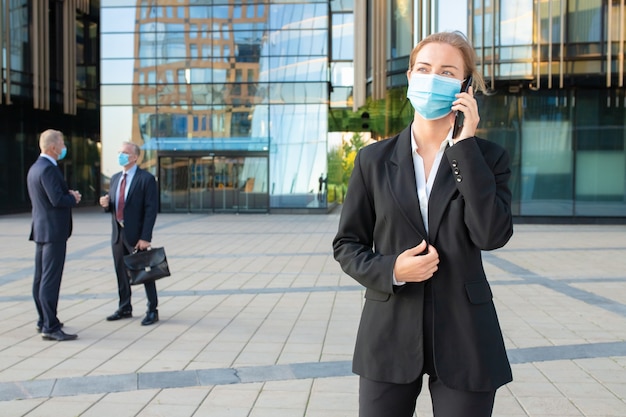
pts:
[123, 286]
[49, 263]
[382, 399]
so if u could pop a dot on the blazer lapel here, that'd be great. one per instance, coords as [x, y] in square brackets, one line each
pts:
[401, 180]
[444, 188]
[114, 190]
[133, 185]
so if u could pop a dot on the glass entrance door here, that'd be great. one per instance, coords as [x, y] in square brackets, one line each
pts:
[226, 183]
[200, 183]
[174, 184]
[213, 184]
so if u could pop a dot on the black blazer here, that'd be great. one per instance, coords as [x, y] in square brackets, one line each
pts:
[140, 207]
[469, 211]
[51, 201]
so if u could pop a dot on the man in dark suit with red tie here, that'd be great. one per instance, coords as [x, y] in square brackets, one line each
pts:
[52, 203]
[133, 204]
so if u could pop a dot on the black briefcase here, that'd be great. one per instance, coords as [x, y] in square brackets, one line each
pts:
[147, 265]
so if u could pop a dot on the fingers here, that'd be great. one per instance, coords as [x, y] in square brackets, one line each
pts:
[77, 196]
[104, 201]
[416, 250]
[142, 244]
[466, 103]
[416, 265]
[433, 250]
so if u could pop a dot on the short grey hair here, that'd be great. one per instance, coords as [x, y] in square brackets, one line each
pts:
[136, 149]
[49, 138]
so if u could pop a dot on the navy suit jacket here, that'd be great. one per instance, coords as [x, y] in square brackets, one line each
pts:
[469, 211]
[51, 201]
[140, 207]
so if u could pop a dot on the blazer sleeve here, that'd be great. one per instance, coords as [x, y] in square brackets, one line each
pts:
[482, 171]
[56, 189]
[112, 190]
[353, 244]
[151, 203]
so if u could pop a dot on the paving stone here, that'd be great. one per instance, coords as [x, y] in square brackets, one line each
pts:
[258, 320]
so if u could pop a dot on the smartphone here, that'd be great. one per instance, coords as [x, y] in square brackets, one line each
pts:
[458, 120]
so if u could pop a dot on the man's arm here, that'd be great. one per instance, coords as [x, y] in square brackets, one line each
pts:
[56, 189]
[150, 207]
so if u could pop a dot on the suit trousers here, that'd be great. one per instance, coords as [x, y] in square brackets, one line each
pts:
[382, 399]
[123, 285]
[49, 263]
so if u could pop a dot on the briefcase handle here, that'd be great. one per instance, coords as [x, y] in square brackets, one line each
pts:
[135, 250]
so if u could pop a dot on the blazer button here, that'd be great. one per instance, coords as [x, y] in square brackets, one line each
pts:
[455, 163]
[456, 171]
[459, 178]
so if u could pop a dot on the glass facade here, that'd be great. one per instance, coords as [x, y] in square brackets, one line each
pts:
[249, 106]
[555, 99]
[49, 60]
[342, 54]
[227, 99]
[557, 102]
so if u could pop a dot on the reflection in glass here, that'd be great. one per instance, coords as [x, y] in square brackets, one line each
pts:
[547, 157]
[216, 84]
[401, 23]
[119, 19]
[117, 71]
[213, 183]
[515, 21]
[174, 184]
[585, 21]
[342, 5]
[342, 74]
[600, 162]
[343, 36]
[115, 45]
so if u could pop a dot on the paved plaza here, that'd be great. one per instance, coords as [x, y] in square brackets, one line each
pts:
[258, 320]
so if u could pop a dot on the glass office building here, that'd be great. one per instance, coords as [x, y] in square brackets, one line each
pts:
[556, 98]
[227, 99]
[236, 104]
[557, 73]
[48, 79]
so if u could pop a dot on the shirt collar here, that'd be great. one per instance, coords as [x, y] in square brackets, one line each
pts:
[131, 171]
[49, 158]
[448, 141]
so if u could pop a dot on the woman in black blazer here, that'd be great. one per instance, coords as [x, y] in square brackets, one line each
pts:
[420, 208]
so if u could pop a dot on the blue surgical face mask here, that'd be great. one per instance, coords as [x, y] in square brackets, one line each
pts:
[432, 95]
[63, 153]
[122, 158]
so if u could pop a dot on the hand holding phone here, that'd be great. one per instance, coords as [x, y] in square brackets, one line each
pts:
[458, 120]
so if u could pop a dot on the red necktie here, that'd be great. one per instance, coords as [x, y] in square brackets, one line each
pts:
[119, 213]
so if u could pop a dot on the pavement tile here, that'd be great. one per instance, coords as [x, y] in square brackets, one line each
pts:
[549, 406]
[17, 408]
[258, 320]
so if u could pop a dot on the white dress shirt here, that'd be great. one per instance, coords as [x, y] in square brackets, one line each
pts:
[424, 187]
[130, 174]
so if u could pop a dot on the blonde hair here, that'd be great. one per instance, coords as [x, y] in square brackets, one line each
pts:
[49, 138]
[459, 41]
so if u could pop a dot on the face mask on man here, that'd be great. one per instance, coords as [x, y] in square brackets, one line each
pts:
[432, 95]
[62, 154]
[122, 158]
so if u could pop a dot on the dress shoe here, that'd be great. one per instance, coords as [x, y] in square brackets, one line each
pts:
[39, 328]
[59, 336]
[120, 315]
[151, 318]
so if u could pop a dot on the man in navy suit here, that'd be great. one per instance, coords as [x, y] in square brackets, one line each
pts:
[133, 204]
[52, 202]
